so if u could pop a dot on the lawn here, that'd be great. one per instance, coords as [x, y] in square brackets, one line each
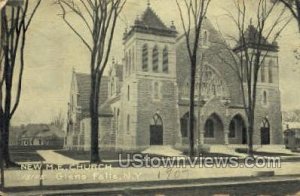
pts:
[210, 154]
[105, 155]
[25, 156]
[258, 153]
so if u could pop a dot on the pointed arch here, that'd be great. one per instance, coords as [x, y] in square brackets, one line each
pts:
[145, 58]
[165, 60]
[155, 59]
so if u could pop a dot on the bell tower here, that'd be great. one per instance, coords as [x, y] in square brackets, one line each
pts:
[149, 92]
[268, 122]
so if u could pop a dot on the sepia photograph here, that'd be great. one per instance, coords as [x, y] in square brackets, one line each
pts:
[149, 97]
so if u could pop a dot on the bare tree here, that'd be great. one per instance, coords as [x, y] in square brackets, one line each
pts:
[58, 120]
[293, 6]
[99, 18]
[195, 12]
[15, 22]
[253, 43]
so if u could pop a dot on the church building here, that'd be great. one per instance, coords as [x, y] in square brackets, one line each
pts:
[145, 99]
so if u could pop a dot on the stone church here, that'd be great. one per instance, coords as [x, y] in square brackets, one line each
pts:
[145, 99]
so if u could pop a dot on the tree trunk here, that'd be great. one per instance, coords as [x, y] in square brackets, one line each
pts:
[94, 113]
[192, 107]
[250, 133]
[5, 140]
[1, 151]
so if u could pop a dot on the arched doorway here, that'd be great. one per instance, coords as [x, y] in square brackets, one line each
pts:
[265, 132]
[214, 130]
[237, 130]
[156, 130]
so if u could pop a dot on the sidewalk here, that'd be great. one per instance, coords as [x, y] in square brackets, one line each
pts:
[55, 158]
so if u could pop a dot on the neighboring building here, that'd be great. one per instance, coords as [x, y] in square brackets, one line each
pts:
[42, 135]
[146, 101]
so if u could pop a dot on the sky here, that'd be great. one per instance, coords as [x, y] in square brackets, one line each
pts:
[53, 51]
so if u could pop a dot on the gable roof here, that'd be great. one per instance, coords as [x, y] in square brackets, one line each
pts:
[84, 88]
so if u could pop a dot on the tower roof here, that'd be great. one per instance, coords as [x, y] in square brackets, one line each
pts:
[252, 40]
[151, 20]
[150, 23]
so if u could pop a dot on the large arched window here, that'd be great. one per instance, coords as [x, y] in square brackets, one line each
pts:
[270, 70]
[155, 59]
[145, 58]
[165, 60]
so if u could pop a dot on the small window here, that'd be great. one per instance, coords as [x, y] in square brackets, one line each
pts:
[128, 123]
[145, 58]
[129, 62]
[265, 99]
[133, 62]
[186, 89]
[165, 60]
[262, 73]
[205, 38]
[156, 90]
[128, 93]
[155, 59]
[126, 64]
[271, 71]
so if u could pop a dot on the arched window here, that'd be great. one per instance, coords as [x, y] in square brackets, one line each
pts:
[165, 60]
[155, 59]
[156, 90]
[271, 71]
[262, 73]
[128, 123]
[265, 99]
[145, 58]
[209, 129]
[157, 120]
